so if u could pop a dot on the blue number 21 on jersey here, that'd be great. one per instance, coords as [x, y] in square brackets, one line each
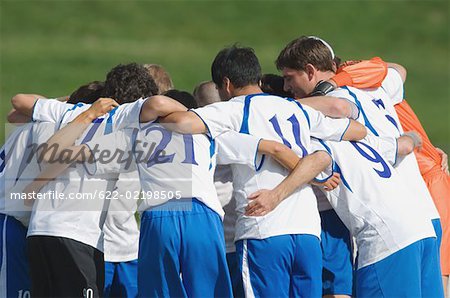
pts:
[158, 158]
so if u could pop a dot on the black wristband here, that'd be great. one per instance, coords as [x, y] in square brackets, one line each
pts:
[322, 88]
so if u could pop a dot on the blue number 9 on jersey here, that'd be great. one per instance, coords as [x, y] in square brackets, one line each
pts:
[376, 158]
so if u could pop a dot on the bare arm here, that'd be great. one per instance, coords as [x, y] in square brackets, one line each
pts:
[24, 103]
[400, 69]
[281, 153]
[184, 122]
[60, 142]
[405, 145]
[355, 132]
[15, 117]
[305, 170]
[159, 106]
[330, 106]
[289, 160]
[444, 160]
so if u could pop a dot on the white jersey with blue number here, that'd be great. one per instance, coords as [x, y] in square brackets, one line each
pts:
[170, 165]
[80, 212]
[373, 201]
[19, 165]
[283, 120]
[377, 113]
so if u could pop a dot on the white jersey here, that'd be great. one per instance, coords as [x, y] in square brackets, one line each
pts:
[80, 210]
[373, 201]
[223, 182]
[279, 119]
[377, 113]
[170, 165]
[19, 165]
[120, 229]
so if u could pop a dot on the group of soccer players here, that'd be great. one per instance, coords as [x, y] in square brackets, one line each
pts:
[305, 185]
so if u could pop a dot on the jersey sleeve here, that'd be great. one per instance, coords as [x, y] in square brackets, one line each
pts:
[345, 95]
[221, 116]
[127, 115]
[393, 85]
[237, 148]
[49, 110]
[362, 74]
[326, 128]
[385, 146]
[112, 153]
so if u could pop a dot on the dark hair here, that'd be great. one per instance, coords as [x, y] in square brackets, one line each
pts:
[127, 83]
[87, 93]
[305, 50]
[273, 84]
[182, 97]
[239, 65]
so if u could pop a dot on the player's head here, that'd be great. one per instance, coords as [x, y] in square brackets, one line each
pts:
[129, 82]
[234, 68]
[182, 97]
[273, 84]
[304, 62]
[206, 93]
[87, 93]
[161, 77]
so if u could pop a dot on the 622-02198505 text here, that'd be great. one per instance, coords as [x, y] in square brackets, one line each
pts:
[102, 195]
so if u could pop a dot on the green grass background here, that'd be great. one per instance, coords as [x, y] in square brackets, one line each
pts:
[52, 47]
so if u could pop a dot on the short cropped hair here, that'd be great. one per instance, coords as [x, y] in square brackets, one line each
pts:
[161, 76]
[306, 50]
[239, 64]
[206, 93]
[127, 83]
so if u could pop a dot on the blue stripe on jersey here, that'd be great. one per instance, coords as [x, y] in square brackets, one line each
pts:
[257, 168]
[248, 98]
[2, 157]
[358, 104]
[95, 125]
[78, 105]
[392, 120]
[108, 127]
[5, 156]
[336, 167]
[212, 150]
[325, 146]
[303, 110]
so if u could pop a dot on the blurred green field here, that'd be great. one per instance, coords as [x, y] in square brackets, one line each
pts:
[52, 47]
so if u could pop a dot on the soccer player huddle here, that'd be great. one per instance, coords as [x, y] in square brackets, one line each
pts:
[319, 182]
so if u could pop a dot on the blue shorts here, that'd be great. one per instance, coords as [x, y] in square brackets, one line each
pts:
[182, 237]
[235, 275]
[337, 272]
[438, 230]
[281, 266]
[121, 279]
[14, 267]
[413, 271]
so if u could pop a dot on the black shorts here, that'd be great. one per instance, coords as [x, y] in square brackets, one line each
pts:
[62, 267]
